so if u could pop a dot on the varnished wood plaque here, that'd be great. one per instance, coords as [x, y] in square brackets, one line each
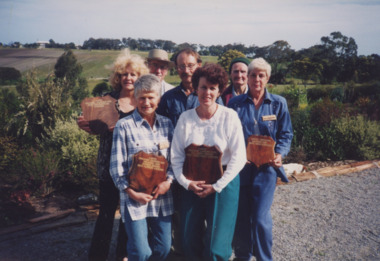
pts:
[260, 149]
[101, 113]
[203, 162]
[147, 171]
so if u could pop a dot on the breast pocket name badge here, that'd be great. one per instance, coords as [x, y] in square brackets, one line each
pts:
[269, 118]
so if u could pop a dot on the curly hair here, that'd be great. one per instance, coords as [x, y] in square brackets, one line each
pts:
[122, 62]
[213, 73]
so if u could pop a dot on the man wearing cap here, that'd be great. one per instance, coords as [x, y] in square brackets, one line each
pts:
[239, 76]
[159, 64]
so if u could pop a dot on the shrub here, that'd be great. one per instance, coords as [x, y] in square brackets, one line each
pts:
[100, 89]
[78, 150]
[9, 75]
[8, 152]
[316, 94]
[40, 168]
[359, 138]
[322, 112]
[292, 96]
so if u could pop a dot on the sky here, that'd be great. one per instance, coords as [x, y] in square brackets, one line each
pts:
[301, 23]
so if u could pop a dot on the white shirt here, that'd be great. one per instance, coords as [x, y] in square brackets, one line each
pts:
[165, 87]
[224, 130]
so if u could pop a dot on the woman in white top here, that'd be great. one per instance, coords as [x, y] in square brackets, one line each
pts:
[216, 204]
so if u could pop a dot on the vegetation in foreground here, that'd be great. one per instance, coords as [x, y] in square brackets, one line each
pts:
[43, 151]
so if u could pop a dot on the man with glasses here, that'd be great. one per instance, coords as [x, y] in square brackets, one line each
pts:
[182, 97]
[159, 64]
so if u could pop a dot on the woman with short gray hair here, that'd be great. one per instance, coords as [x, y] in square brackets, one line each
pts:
[144, 130]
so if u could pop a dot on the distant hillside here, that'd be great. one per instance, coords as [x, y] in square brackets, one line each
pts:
[93, 62]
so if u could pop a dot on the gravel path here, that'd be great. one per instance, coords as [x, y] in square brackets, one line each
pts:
[336, 218]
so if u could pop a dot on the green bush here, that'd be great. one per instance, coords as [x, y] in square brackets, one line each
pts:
[78, 150]
[100, 89]
[322, 112]
[8, 152]
[9, 75]
[39, 168]
[317, 93]
[359, 138]
[292, 96]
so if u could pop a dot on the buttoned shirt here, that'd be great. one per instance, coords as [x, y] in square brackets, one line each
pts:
[254, 122]
[131, 135]
[175, 101]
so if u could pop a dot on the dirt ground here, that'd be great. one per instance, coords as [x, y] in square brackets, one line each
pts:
[67, 237]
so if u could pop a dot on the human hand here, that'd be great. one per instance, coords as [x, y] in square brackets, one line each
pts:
[84, 125]
[140, 197]
[195, 186]
[277, 161]
[161, 189]
[207, 190]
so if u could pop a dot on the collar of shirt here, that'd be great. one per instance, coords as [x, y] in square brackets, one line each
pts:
[139, 120]
[267, 97]
[234, 93]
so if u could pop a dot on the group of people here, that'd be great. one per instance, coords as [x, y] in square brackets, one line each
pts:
[201, 221]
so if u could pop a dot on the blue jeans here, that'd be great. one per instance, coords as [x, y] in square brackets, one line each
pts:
[140, 247]
[253, 232]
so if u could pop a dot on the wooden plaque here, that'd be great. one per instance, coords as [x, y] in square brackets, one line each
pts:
[203, 163]
[101, 113]
[147, 171]
[260, 149]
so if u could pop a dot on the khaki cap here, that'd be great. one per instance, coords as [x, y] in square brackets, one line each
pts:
[160, 55]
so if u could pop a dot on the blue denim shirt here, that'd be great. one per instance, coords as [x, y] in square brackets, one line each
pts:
[280, 129]
[175, 101]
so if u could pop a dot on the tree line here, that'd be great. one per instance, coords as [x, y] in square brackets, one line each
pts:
[334, 59]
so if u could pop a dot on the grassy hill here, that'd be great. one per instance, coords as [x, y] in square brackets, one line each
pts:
[94, 62]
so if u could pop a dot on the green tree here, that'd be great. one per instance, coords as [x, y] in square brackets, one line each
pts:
[306, 70]
[225, 59]
[68, 73]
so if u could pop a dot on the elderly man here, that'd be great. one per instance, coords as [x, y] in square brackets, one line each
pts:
[238, 75]
[159, 64]
[182, 97]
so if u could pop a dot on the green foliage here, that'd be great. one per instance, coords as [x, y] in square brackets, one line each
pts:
[292, 96]
[100, 89]
[316, 94]
[67, 67]
[78, 150]
[8, 151]
[337, 94]
[358, 138]
[9, 106]
[9, 75]
[322, 112]
[306, 70]
[67, 71]
[42, 104]
[40, 168]
[225, 59]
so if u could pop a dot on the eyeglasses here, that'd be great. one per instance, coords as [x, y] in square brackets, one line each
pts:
[157, 66]
[183, 67]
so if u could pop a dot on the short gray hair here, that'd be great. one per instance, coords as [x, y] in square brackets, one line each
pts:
[147, 83]
[261, 64]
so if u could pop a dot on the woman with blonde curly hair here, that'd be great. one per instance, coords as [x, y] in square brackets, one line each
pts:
[126, 69]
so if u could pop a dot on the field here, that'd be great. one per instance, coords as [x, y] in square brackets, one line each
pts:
[94, 62]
